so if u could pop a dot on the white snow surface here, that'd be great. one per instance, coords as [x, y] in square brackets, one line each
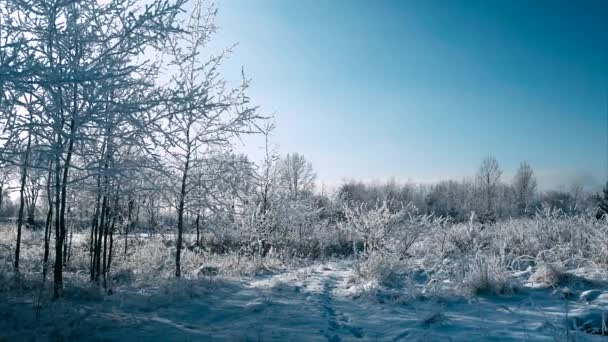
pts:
[314, 303]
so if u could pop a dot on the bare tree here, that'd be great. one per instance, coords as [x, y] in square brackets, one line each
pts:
[524, 186]
[24, 169]
[267, 177]
[74, 55]
[204, 115]
[297, 175]
[488, 178]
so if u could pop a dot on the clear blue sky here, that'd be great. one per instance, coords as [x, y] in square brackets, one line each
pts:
[423, 90]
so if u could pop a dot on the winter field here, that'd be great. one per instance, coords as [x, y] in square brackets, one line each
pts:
[530, 279]
[157, 179]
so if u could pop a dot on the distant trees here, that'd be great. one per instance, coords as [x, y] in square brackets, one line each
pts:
[524, 186]
[487, 196]
[297, 175]
[602, 203]
[559, 200]
[451, 199]
[355, 192]
[488, 178]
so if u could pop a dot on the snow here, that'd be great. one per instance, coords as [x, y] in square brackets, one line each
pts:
[320, 302]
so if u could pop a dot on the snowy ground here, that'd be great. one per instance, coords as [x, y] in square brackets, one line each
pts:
[314, 303]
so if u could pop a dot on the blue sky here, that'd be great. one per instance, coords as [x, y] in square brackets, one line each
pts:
[423, 90]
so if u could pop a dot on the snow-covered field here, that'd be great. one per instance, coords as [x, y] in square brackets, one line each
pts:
[540, 279]
[320, 302]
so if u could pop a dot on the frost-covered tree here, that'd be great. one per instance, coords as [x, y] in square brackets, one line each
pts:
[267, 177]
[297, 175]
[488, 178]
[524, 186]
[204, 114]
[75, 58]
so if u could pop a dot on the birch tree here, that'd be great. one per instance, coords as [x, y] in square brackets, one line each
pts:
[204, 114]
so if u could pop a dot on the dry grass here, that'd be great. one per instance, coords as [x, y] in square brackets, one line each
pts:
[150, 261]
[487, 275]
[479, 258]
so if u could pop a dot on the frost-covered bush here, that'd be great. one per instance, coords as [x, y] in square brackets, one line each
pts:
[464, 238]
[375, 227]
[482, 257]
[386, 237]
[552, 237]
[151, 259]
[488, 275]
[287, 228]
[381, 269]
[383, 230]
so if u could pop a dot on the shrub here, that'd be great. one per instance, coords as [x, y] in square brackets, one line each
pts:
[379, 269]
[487, 275]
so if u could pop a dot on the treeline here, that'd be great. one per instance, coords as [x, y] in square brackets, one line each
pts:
[487, 195]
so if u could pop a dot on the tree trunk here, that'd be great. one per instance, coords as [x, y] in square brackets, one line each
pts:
[31, 215]
[68, 250]
[58, 270]
[66, 244]
[100, 234]
[180, 215]
[95, 227]
[136, 222]
[198, 241]
[93, 242]
[47, 224]
[60, 197]
[110, 251]
[103, 220]
[1, 197]
[47, 238]
[105, 248]
[127, 226]
[22, 201]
